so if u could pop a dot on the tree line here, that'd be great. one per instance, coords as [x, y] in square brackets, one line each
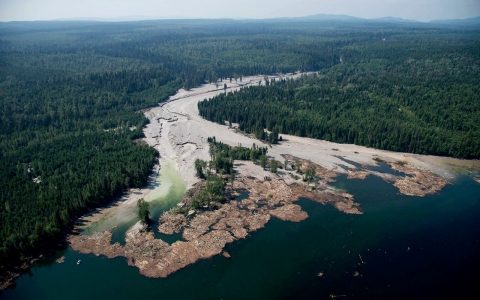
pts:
[71, 97]
[421, 100]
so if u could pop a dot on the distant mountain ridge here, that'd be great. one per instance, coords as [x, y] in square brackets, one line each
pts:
[328, 17]
[317, 17]
[389, 19]
[469, 21]
[394, 19]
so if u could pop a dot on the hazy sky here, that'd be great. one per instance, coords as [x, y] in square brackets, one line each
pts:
[422, 10]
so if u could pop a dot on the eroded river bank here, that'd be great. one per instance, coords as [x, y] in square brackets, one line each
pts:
[205, 234]
[399, 238]
[358, 205]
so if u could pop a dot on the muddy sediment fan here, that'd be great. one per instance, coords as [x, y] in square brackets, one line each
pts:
[322, 173]
[205, 237]
[348, 207]
[289, 212]
[206, 234]
[354, 174]
[277, 197]
[322, 192]
[171, 223]
[421, 182]
[342, 200]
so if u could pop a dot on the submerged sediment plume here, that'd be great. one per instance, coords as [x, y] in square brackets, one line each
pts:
[206, 236]
[206, 230]
[204, 233]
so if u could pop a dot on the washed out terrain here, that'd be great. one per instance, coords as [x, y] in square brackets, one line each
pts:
[179, 134]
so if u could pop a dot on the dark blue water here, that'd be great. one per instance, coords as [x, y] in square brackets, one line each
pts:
[402, 247]
[381, 167]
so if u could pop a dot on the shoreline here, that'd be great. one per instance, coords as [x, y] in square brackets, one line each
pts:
[205, 233]
[182, 135]
[178, 133]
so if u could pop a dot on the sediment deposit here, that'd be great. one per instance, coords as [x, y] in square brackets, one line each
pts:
[289, 212]
[421, 182]
[207, 232]
[171, 223]
[179, 133]
[354, 174]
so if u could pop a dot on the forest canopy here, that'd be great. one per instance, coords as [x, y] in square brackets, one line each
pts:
[415, 93]
[72, 95]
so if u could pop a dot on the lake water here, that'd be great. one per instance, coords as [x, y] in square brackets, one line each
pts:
[402, 248]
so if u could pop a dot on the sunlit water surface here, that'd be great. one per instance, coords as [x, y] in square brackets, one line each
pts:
[402, 247]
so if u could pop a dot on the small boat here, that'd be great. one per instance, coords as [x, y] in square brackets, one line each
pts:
[78, 262]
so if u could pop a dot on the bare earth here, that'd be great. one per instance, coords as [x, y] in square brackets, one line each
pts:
[180, 134]
[205, 234]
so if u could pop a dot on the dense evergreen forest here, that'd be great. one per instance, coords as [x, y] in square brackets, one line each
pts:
[70, 99]
[212, 194]
[71, 95]
[416, 92]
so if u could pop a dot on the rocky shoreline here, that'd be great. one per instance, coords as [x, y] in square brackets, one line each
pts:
[9, 274]
[206, 232]
[178, 133]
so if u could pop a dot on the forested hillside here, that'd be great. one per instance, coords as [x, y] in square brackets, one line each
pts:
[417, 93]
[71, 95]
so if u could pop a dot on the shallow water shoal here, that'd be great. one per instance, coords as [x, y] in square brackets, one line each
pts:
[283, 259]
[166, 192]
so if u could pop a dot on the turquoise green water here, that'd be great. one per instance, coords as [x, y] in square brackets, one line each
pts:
[167, 191]
[412, 247]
